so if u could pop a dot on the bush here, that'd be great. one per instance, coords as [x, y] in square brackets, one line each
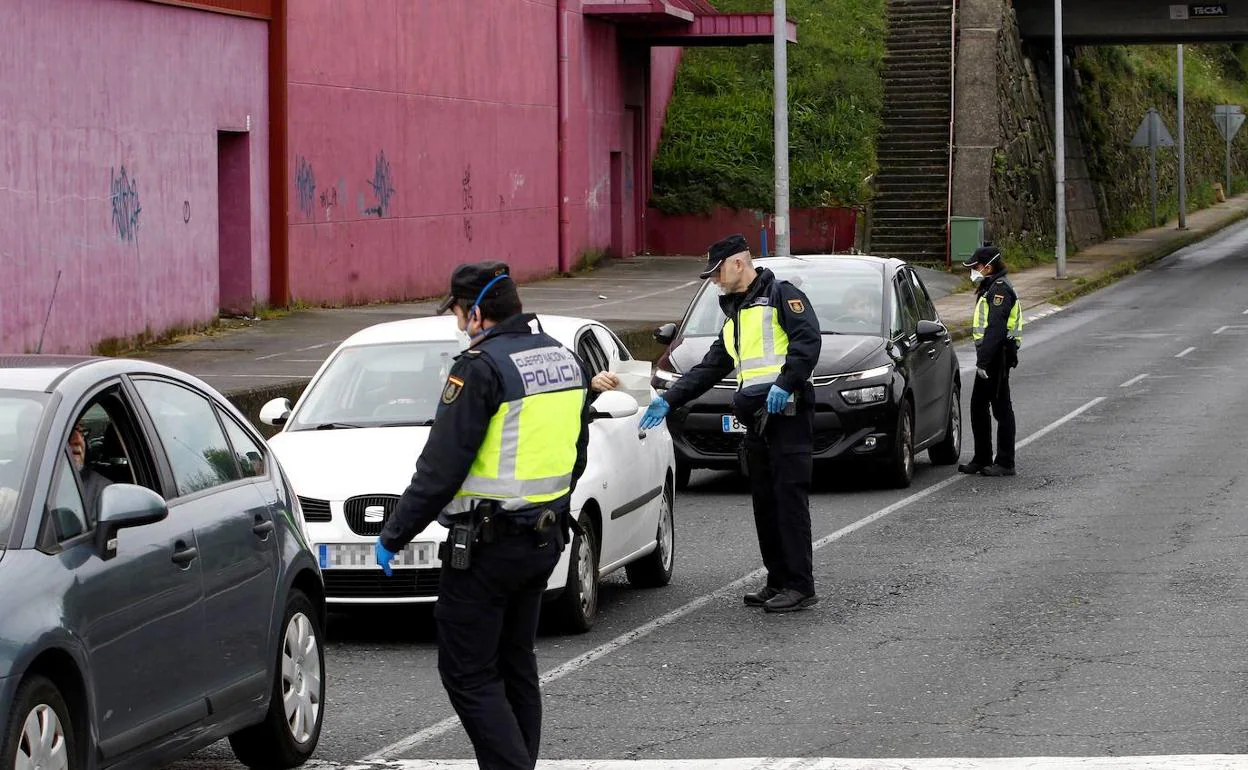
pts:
[717, 146]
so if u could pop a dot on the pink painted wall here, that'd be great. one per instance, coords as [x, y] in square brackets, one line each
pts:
[451, 108]
[109, 112]
[815, 231]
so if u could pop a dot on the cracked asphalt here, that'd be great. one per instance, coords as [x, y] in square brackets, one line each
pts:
[1093, 605]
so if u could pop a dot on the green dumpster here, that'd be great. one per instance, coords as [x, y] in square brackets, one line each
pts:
[965, 235]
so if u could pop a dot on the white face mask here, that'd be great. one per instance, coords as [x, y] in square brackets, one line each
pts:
[976, 276]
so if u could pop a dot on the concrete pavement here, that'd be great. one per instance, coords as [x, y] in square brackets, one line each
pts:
[259, 360]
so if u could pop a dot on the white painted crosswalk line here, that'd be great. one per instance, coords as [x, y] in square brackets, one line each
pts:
[1148, 762]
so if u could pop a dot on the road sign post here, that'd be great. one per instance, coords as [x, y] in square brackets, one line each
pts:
[1228, 118]
[1152, 133]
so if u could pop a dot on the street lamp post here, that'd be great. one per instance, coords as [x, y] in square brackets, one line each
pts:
[781, 58]
[1059, 136]
[1182, 151]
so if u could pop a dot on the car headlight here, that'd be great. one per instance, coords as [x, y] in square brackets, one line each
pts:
[824, 380]
[664, 378]
[870, 395]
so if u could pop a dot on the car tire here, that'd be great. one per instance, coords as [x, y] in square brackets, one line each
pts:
[40, 716]
[577, 606]
[949, 450]
[285, 740]
[683, 472]
[899, 471]
[654, 570]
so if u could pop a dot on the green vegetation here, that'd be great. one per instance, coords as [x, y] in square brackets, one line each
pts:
[1117, 84]
[717, 146]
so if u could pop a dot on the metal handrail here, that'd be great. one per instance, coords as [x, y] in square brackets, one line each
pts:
[953, 88]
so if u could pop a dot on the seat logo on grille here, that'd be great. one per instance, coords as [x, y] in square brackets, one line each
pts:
[375, 514]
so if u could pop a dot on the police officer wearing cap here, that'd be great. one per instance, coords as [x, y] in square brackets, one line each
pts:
[771, 341]
[506, 449]
[997, 328]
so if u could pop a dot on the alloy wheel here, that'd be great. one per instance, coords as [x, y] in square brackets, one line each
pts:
[42, 744]
[301, 678]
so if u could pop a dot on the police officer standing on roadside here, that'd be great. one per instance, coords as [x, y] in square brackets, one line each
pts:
[772, 341]
[505, 451]
[997, 328]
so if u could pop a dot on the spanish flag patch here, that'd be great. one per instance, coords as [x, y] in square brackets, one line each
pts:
[454, 386]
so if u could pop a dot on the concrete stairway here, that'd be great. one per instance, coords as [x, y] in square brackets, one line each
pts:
[910, 205]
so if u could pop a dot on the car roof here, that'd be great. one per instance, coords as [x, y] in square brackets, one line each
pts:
[443, 329]
[48, 373]
[824, 260]
[35, 371]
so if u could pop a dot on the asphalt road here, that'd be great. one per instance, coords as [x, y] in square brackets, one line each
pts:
[1092, 606]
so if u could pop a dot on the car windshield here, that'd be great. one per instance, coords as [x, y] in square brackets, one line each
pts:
[370, 386]
[20, 413]
[847, 296]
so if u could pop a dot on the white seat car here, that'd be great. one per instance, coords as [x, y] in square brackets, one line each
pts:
[350, 446]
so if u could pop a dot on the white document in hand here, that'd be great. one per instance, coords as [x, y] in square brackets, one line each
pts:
[635, 380]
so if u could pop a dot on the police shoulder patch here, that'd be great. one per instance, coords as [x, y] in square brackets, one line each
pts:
[797, 306]
[454, 386]
[997, 299]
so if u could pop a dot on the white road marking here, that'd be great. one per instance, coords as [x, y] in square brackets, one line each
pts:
[404, 745]
[1148, 762]
[1221, 329]
[296, 350]
[1133, 380]
[633, 298]
[1245, 312]
[291, 377]
[1185, 352]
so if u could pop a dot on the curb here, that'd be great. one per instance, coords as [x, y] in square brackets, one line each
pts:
[1117, 271]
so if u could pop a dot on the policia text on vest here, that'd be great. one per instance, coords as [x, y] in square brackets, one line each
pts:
[771, 338]
[505, 451]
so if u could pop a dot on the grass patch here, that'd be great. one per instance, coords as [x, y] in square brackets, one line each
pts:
[717, 146]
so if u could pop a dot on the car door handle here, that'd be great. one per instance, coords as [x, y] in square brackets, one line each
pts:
[263, 528]
[183, 554]
[931, 352]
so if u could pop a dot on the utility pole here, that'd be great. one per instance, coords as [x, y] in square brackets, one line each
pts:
[1182, 151]
[781, 53]
[1059, 136]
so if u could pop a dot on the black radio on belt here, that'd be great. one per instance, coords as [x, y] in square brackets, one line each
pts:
[460, 543]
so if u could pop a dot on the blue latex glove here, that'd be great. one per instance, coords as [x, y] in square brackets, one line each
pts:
[776, 398]
[655, 413]
[384, 557]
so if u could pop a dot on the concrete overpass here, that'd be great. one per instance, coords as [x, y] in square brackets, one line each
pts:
[1135, 21]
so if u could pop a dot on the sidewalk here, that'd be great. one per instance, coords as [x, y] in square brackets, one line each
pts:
[275, 358]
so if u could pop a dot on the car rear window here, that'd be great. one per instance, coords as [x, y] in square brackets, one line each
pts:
[20, 415]
[847, 296]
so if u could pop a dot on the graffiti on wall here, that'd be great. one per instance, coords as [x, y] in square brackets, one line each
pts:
[466, 187]
[383, 186]
[305, 186]
[124, 199]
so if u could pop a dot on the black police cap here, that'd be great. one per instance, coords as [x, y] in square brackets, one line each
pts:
[984, 255]
[467, 281]
[721, 250]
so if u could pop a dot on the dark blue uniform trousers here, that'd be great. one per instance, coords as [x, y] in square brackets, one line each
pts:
[487, 619]
[779, 464]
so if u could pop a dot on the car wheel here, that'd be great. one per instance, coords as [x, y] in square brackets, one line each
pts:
[654, 570]
[40, 734]
[578, 605]
[683, 472]
[291, 728]
[949, 449]
[900, 470]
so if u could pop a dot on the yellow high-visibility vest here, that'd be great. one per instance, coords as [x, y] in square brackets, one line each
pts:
[529, 450]
[764, 345]
[1013, 327]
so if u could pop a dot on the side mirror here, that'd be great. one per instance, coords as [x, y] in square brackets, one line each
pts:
[930, 330]
[276, 412]
[121, 506]
[665, 334]
[613, 404]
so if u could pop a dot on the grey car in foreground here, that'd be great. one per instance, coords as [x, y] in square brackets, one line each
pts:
[157, 592]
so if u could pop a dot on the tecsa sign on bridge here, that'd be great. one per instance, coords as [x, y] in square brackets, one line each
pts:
[1197, 11]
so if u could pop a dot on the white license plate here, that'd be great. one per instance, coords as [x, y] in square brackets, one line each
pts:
[731, 425]
[356, 555]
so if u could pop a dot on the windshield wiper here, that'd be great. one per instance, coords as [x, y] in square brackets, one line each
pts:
[408, 424]
[336, 425]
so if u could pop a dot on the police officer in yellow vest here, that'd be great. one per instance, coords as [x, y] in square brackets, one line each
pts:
[997, 328]
[771, 341]
[506, 449]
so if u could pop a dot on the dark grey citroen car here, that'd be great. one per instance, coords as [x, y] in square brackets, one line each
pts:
[157, 592]
[886, 385]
